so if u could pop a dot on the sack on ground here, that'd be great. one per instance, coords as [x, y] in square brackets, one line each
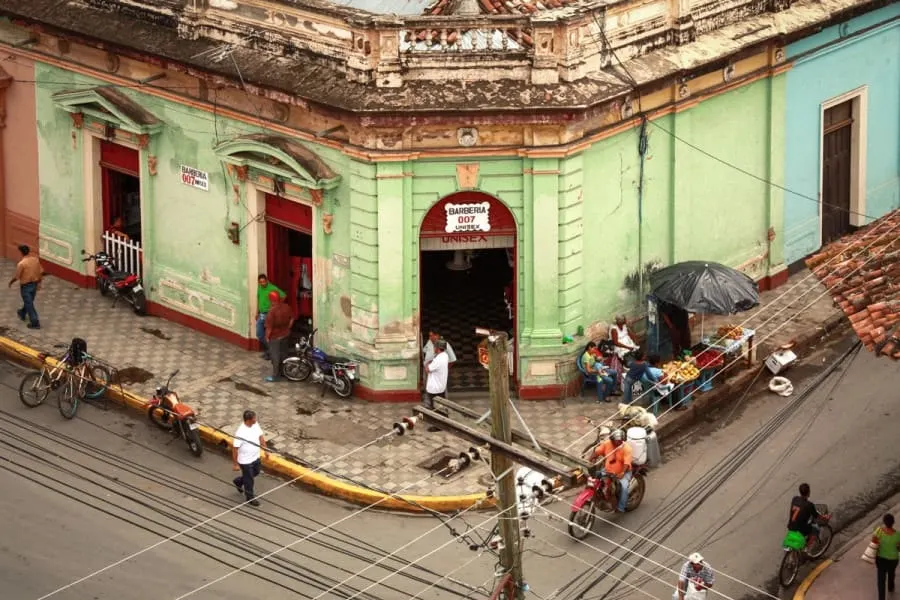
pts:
[870, 553]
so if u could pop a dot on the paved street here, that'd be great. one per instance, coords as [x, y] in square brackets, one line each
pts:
[222, 380]
[110, 485]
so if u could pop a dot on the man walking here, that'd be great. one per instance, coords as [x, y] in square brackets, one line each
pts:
[278, 327]
[436, 370]
[29, 274]
[263, 304]
[697, 574]
[245, 453]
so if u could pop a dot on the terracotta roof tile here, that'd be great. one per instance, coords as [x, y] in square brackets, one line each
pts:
[862, 272]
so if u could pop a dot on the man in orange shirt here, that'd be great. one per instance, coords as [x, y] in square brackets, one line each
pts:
[278, 327]
[29, 274]
[616, 457]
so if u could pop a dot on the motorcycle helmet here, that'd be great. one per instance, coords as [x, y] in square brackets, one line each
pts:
[617, 435]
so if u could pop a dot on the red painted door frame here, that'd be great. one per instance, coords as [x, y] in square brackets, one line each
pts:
[502, 223]
[282, 214]
[122, 159]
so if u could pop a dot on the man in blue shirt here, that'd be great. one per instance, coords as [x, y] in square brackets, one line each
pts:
[639, 370]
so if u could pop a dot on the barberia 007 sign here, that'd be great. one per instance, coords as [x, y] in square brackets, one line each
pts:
[462, 218]
[195, 178]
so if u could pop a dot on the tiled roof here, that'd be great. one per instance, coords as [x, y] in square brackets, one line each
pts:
[862, 271]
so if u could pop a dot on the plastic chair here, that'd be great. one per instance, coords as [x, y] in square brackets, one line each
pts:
[586, 377]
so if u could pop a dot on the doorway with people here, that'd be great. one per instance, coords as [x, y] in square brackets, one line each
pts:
[289, 255]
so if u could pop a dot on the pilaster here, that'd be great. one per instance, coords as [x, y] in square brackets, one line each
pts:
[681, 175]
[393, 230]
[542, 236]
[571, 255]
[363, 252]
[775, 173]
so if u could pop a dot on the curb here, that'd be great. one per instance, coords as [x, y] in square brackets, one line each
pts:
[800, 594]
[281, 466]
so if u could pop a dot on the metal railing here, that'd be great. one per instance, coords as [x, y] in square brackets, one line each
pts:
[126, 253]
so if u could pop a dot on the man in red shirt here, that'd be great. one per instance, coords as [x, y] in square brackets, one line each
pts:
[278, 327]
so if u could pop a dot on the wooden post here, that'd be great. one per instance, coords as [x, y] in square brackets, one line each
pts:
[502, 465]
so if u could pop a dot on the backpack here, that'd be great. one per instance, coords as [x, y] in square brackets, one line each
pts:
[77, 350]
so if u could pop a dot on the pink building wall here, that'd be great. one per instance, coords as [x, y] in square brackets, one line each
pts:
[20, 209]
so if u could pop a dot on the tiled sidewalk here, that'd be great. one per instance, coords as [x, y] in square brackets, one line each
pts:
[222, 380]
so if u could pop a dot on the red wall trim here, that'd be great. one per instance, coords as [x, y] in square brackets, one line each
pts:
[66, 274]
[120, 157]
[162, 311]
[370, 395]
[773, 281]
[289, 213]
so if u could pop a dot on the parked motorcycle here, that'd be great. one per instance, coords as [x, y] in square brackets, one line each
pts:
[168, 413]
[797, 548]
[601, 494]
[119, 284]
[333, 372]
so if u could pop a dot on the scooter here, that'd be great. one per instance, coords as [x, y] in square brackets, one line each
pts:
[120, 284]
[335, 372]
[168, 413]
[601, 494]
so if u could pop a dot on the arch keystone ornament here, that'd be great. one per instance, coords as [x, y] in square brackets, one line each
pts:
[280, 159]
[467, 175]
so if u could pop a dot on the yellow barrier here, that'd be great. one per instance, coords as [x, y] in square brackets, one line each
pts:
[281, 466]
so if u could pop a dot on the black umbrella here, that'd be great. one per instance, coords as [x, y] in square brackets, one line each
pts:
[705, 287]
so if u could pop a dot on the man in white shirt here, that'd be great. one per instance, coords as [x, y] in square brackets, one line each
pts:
[245, 453]
[436, 371]
[428, 352]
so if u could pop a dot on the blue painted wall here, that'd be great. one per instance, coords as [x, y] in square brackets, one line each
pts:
[822, 72]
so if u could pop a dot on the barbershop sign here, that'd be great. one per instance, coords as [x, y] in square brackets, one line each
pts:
[466, 241]
[195, 178]
[465, 218]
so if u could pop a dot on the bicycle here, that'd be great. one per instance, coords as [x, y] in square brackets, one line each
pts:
[93, 379]
[798, 548]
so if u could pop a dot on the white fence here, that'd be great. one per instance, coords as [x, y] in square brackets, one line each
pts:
[126, 253]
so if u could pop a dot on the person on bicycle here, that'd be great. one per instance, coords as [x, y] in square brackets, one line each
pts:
[803, 515]
[695, 572]
[616, 457]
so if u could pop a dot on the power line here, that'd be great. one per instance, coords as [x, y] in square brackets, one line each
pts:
[782, 295]
[757, 177]
[277, 550]
[78, 447]
[208, 520]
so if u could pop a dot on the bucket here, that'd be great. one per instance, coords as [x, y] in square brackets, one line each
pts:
[706, 377]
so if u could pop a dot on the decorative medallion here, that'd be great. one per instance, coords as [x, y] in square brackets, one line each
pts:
[467, 136]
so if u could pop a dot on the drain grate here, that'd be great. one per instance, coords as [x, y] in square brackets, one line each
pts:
[439, 461]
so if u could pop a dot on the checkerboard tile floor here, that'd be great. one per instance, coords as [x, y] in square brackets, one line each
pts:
[222, 380]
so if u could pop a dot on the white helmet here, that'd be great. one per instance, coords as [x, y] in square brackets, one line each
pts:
[617, 435]
[696, 558]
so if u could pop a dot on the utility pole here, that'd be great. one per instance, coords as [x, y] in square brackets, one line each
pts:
[502, 465]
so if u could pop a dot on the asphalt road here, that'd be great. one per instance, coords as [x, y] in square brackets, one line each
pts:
[81, 495]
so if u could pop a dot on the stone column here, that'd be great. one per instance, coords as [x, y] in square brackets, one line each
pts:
[542, 254]
[775, 168]
[393, 228]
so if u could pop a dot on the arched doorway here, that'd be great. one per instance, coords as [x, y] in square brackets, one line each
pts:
[467, 278]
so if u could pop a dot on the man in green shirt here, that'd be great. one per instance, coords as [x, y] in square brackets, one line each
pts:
[262, 309]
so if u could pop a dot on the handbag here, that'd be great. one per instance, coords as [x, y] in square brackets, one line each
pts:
[871, 550]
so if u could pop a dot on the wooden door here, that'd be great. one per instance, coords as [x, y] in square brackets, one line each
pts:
[836, 167]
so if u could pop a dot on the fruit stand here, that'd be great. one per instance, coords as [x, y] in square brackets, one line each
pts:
[731, 341]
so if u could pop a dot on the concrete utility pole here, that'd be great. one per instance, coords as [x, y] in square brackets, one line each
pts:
[502, 465]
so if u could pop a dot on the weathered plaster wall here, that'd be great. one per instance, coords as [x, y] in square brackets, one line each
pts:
[827, 65]
[20, 155]
[694, 207]
[190, 264]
